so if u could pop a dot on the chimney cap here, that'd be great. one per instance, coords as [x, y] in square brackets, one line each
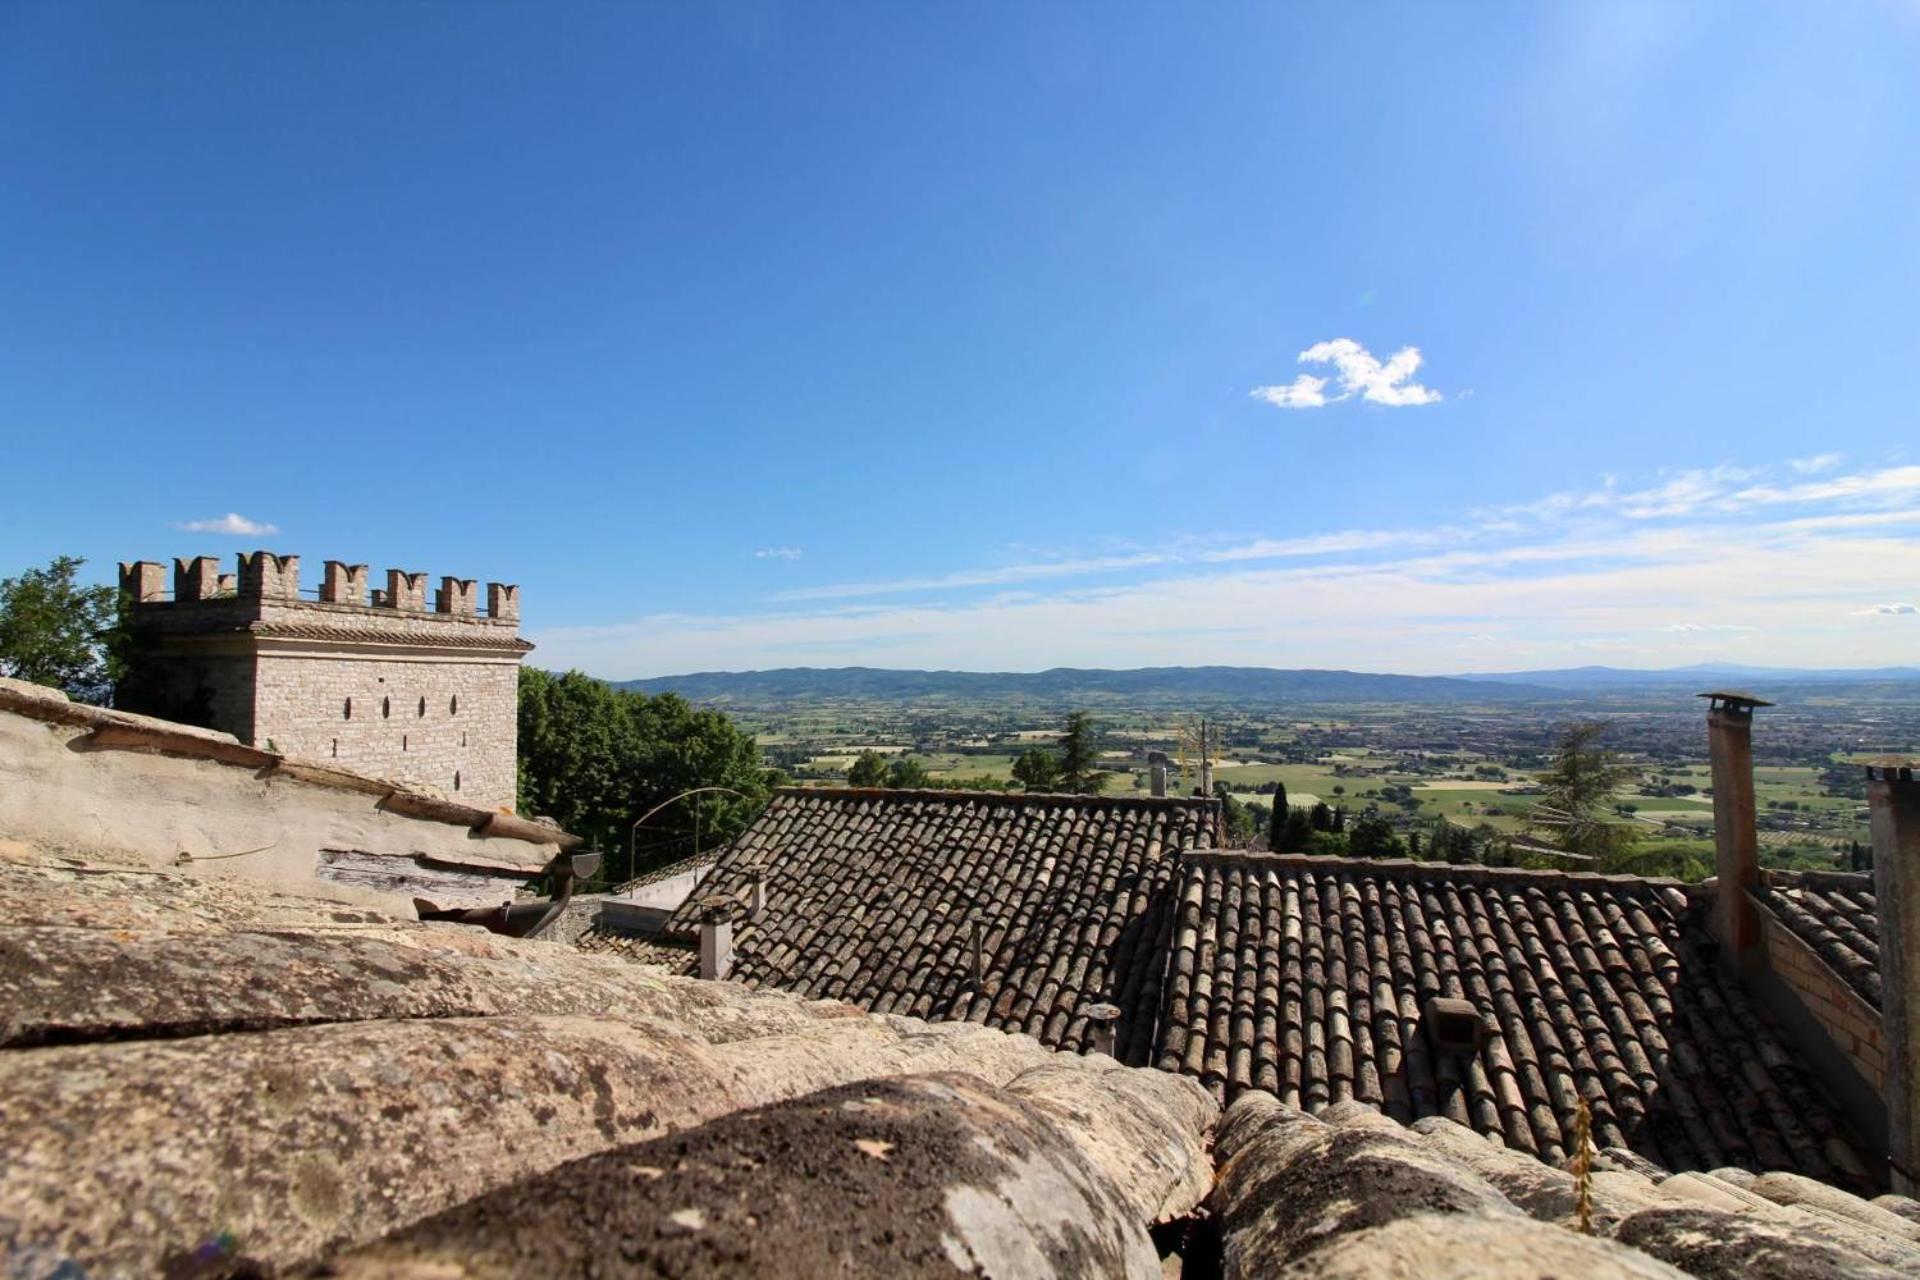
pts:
[1103, 1012]
[1735, 699]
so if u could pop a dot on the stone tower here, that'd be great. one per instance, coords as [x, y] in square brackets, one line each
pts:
[394, 686]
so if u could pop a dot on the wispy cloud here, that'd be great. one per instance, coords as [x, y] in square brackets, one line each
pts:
[1001, 575]
[1817, 464]
[1358, 372]
[778, 553]
[1659, 571]
[233, 524]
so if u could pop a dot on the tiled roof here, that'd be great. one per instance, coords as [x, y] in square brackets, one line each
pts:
[667, 871]
[872, 895]
[1308, 977]
[1833, 912]
[674, 956]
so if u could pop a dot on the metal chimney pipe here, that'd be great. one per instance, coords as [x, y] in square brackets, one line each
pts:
[1893, 801]
[758, 906]
[1736, 839]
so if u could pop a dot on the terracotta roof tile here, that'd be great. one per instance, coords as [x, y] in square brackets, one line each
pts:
[1834, 913]
[874, 897]
[1308, 977]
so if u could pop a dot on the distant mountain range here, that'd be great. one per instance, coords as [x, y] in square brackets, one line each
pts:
[1260, 684]
[1235, 684]
[1707, 675]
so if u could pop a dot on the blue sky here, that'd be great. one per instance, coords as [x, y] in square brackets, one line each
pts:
[757, 335]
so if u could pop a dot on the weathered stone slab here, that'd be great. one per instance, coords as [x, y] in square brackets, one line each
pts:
[1455, 1247]
[122, 1157]
[1539, 1190]
[1712, 1245]
[1818, 1197]
[917, 1176]
[1289, 1184]
[1147, 1129]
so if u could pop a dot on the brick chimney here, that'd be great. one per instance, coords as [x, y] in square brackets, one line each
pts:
[1893, 800]
[1736, 842]
[1157, 771]
[1102, 1024]
[716, 938]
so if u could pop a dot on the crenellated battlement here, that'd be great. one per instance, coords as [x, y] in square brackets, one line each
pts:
[396, 681]
[267, 576]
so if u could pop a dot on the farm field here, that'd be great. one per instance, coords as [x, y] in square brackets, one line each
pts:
[1473, 766]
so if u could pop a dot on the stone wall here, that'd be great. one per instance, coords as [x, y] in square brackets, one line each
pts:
[1849, 1021]
[412, 684]
[446, 724]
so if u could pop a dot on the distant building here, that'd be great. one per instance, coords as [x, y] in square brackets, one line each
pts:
[387, 685]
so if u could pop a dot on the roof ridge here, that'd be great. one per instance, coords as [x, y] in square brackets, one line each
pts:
[1006, 797]
[1408, 866]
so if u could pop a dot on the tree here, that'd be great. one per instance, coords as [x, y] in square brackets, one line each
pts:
[1037, 769]
[870, 770]
[1579, 784]
[1296, 833]
[1277, 820]
[1320, 818]
[1372, 837]
[905, 774]
[1238, 821]
[1079, 756]
[597, 759]
[56, 632]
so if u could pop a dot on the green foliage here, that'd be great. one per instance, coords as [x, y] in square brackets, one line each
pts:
[1037, 769]
[1579, 784]
[1079, 756]
[596, 759]
[1236, 816]
[1679, 859]
[870, 770]
[53, 631]
[1320, 818]
[908, 774]
[1277, 820]
[1295, 832]
[1326, 844]
[1372, 837]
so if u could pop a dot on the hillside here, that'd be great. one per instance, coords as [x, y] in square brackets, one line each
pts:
[1701, 676]
[1185, 684]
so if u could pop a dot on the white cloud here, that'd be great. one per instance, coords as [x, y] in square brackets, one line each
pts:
[232, 523]
[1304, 392]
[1786, 580]
[778, 553]
[998, 576]
[1360, 373]
[1817, 464]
